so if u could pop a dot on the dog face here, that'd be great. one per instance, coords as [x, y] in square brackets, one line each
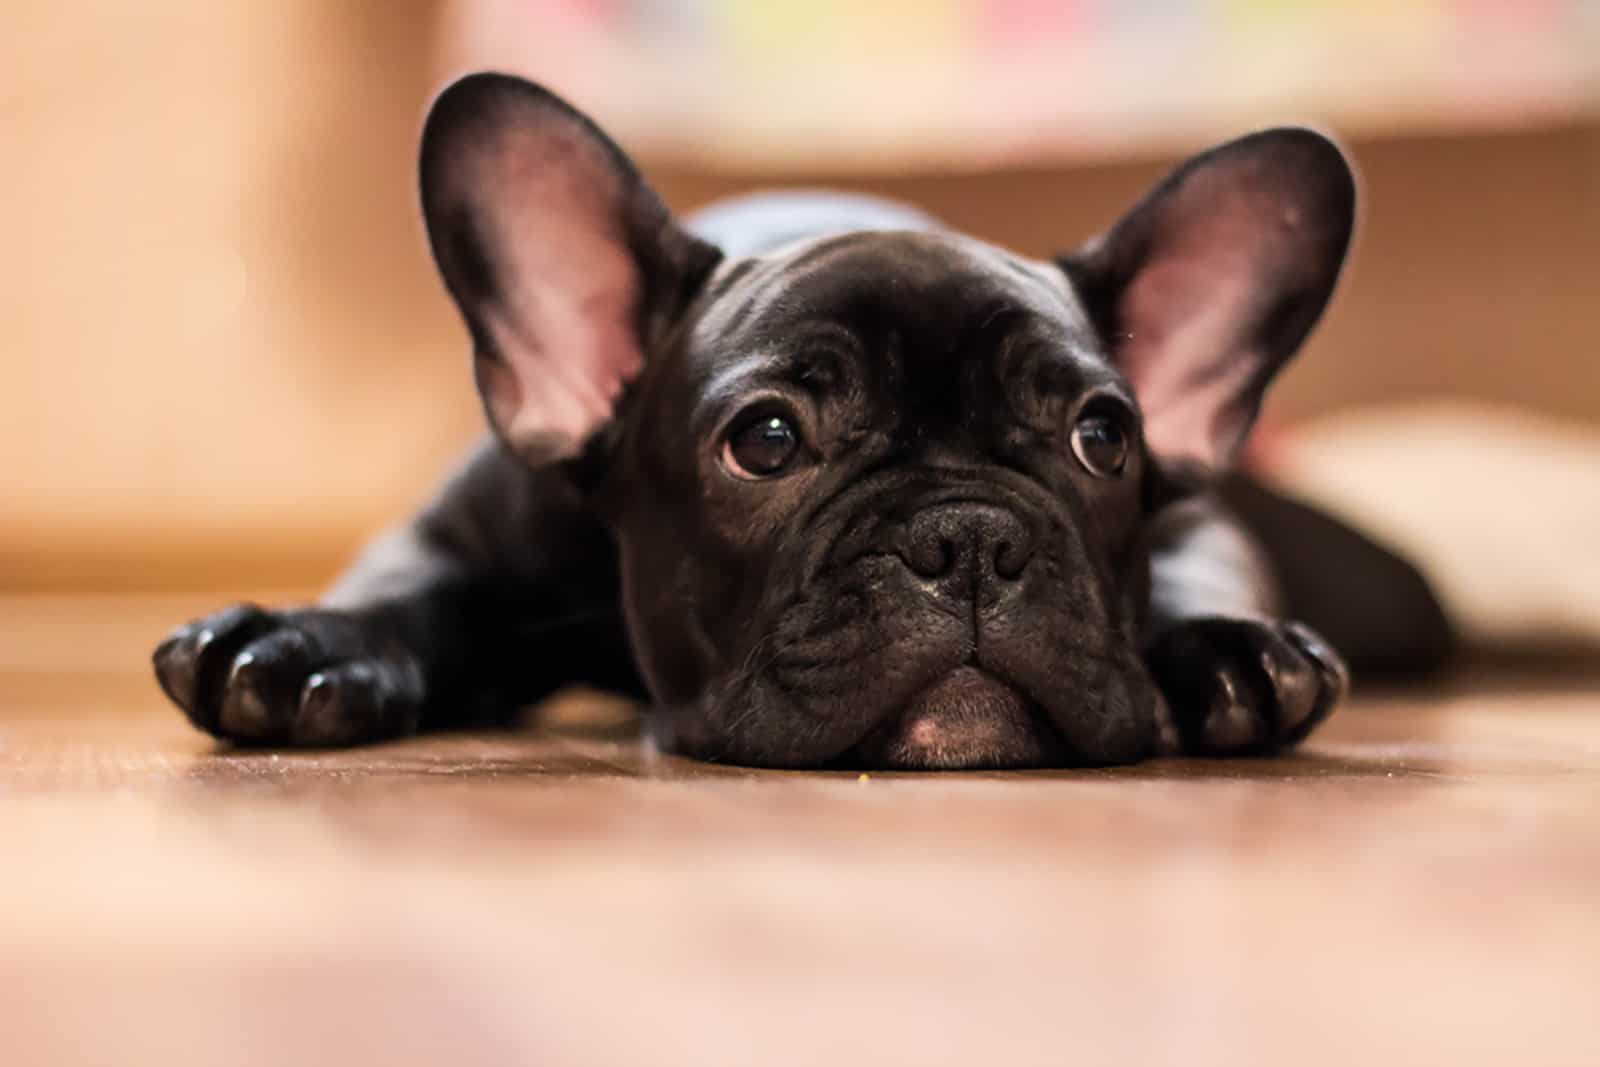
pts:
[879, 497]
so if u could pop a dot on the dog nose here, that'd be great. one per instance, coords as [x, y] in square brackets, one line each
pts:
[978, 541]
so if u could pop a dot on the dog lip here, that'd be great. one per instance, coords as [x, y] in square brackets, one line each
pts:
[968, 717]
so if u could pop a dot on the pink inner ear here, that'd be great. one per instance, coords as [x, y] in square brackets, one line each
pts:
[1190, 315]
[563, 320]
[1184, 358]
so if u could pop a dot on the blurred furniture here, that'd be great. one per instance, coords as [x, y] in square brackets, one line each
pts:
[968, 85]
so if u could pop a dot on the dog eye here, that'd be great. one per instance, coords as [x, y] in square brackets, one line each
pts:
[763, 448]
[1100, 442]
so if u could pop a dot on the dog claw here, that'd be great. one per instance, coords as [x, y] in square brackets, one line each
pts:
[305, 678]
[1230, 724]
[1246, 687]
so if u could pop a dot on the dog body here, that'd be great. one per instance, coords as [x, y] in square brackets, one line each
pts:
[827, 483]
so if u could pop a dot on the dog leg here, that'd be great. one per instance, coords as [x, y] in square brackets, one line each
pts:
[1238, 678]
[501, 591]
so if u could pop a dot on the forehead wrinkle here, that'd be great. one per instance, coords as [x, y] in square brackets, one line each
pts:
[742, 291]
[939, 258]
[761, 298]
[768, 364]
[916, 257]
[735, 377]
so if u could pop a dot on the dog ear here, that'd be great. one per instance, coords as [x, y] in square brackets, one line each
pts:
[1212, 281]
[566, 266]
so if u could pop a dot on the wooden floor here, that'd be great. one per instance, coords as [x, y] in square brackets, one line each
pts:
[1420, 885]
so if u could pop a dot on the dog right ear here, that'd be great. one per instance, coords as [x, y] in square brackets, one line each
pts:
[1205, 289]
[564, 263]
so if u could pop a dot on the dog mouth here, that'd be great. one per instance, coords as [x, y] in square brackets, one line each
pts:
[968, 718]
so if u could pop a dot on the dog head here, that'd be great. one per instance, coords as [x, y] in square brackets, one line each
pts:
[879, 497]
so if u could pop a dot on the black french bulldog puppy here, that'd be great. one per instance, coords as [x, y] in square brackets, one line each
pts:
[827, 483]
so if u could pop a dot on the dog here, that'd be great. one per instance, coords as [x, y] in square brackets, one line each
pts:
[829, 484]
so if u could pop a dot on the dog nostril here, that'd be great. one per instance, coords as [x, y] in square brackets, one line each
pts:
[1009, 560]
[932, 557]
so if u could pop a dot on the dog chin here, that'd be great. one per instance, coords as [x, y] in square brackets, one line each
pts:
[967, 719]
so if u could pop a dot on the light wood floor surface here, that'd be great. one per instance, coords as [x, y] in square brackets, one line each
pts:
[1420, 885]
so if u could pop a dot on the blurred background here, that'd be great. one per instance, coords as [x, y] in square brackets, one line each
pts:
[226, 360]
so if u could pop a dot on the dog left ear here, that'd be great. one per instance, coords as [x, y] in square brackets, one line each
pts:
[1206, 288]
[566, 266]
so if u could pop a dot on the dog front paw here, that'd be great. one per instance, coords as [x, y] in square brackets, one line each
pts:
[1245, 687]
[313, 678]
